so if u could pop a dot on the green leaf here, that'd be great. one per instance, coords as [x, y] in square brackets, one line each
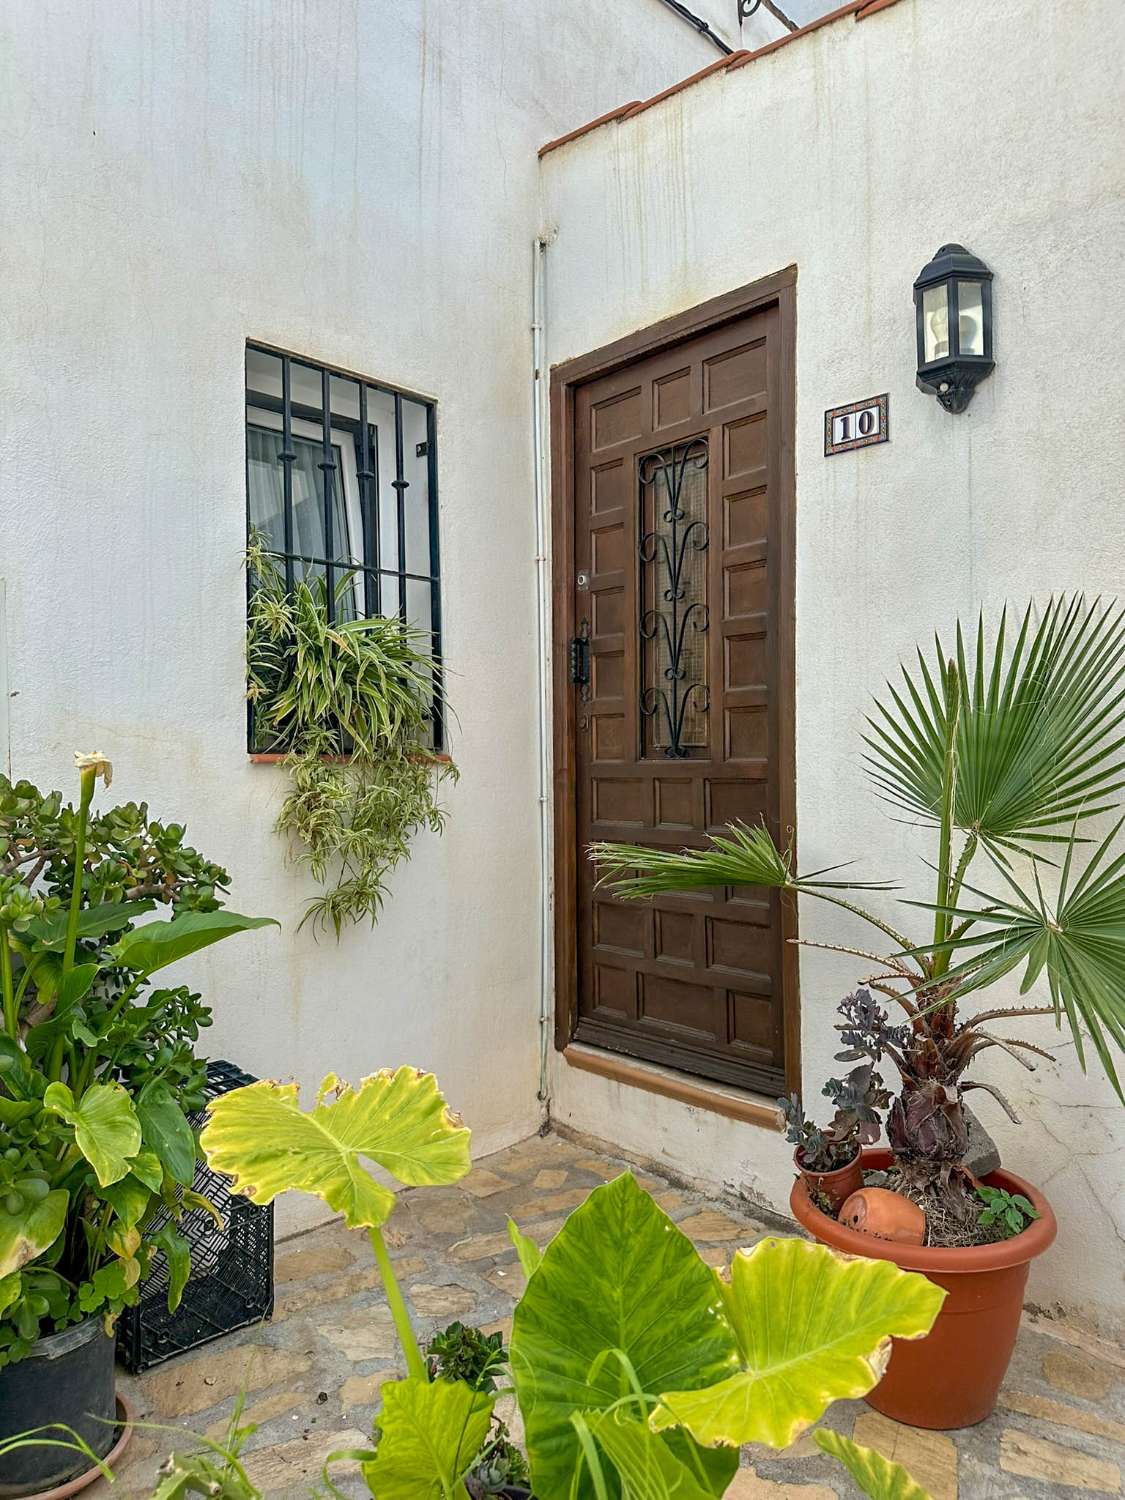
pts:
[157, 944]
[177, 1256]
[431, 1432]
[876, 1476]
[74, 984]
[813, 1327]
[259, 1136]
[106, 1128]
[1039, 730]
[740, 856]
[621, 1301]
[129, 1198]
[646, 1466]
[25, 1235]
[147, 1169]
[166, 1132]
[1080, 944]
[12, 1111]
[10, 1289]
[93, 922]
[528, 1251]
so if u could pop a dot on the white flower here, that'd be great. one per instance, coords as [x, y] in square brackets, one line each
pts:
[94, 761]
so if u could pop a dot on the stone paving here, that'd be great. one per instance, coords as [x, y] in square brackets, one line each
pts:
[312, 1375]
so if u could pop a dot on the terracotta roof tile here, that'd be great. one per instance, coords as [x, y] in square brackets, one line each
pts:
[860, 9]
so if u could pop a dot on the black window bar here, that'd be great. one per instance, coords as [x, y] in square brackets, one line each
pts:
[339, 424]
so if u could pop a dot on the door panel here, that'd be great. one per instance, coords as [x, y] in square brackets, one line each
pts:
[680, 582]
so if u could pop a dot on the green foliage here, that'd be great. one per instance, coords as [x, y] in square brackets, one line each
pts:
[579, 1343]
[876, 1476]
[1011, 1212]
[96, 1070]
[431, 1431]
[1001, 748]
[463, 1353]
[361, 693]
[812, 1327]
[260, 1137]
[638, 1370]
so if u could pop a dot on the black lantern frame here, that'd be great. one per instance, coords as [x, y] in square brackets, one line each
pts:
[953, 315]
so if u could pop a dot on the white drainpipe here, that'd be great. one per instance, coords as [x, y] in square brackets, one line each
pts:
[540, 396]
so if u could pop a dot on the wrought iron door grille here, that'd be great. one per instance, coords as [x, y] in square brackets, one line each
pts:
[674, 617]
[341, 482]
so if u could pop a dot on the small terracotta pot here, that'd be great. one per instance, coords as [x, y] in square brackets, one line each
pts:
[836, 1186]
[952, 1377]
[886, 1215]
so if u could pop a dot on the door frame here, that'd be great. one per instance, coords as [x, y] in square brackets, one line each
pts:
[778, 290]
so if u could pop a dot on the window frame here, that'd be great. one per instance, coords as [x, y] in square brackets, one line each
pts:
[373, 574]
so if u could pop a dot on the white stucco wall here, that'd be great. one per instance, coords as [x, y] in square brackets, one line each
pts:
[855, 152]
[355, 181]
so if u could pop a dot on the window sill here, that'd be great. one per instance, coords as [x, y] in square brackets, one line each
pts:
[750, 1109]
[278, 757]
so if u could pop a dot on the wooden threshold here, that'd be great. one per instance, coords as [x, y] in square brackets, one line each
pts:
[715, 1097]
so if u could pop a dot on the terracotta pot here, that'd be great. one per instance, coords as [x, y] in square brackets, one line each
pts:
[952, 1377]
[836, 1186]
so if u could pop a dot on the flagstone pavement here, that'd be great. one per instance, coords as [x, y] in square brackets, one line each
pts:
[312, 1374]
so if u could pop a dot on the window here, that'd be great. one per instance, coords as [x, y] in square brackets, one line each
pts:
[341, 482]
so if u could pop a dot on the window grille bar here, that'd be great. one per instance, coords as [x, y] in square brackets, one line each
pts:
[328, 468]
[435, 568]
[400, 488]
[287, 458]
[367, 501]
[358, 567]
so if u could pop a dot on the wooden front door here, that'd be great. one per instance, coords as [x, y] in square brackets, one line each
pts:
[680, 595]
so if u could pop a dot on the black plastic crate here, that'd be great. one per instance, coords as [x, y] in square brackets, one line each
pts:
[231, 1281]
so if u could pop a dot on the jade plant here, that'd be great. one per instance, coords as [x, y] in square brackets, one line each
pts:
[1006, 750]
[639, 1370]
[97, 1069]
[351, 704]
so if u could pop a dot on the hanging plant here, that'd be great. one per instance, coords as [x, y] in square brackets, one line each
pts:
[351, 703]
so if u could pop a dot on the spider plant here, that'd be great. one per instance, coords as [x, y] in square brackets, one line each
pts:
[1006, 753]
[351, 703]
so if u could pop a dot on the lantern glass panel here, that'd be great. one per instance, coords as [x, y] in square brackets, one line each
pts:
[935, 322]
[970, 318]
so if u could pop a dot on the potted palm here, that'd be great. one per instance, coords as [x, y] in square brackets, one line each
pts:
[1006, 751]
[97, 1071]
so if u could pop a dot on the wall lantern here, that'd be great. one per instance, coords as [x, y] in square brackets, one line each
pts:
[953, 306]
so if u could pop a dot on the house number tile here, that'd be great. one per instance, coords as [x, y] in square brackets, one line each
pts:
[860, 425]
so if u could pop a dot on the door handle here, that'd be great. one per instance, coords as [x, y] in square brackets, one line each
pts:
[580, 660]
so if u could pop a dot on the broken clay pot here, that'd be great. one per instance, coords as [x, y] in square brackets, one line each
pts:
[887, 1215]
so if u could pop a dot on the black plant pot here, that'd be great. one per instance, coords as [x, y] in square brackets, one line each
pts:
[68, 1377]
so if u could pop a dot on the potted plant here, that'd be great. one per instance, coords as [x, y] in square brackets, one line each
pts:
[828, 1158]
[97, 1070]
[651, 1393]
[1005, 751]
[349, 706]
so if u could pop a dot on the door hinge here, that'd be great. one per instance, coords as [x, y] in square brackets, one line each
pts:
[580, 659]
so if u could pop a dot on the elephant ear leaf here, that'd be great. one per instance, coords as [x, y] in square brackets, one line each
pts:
[25, 1235]
[157, 944]
[106, 1128]
[620, 1297]
[646, 1465]
[261, 1137]
[813, 1327]
[877, 1477]
[431, 1432]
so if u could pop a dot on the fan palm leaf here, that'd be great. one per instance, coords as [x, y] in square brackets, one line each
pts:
[1039, 741]
[1077, 941]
